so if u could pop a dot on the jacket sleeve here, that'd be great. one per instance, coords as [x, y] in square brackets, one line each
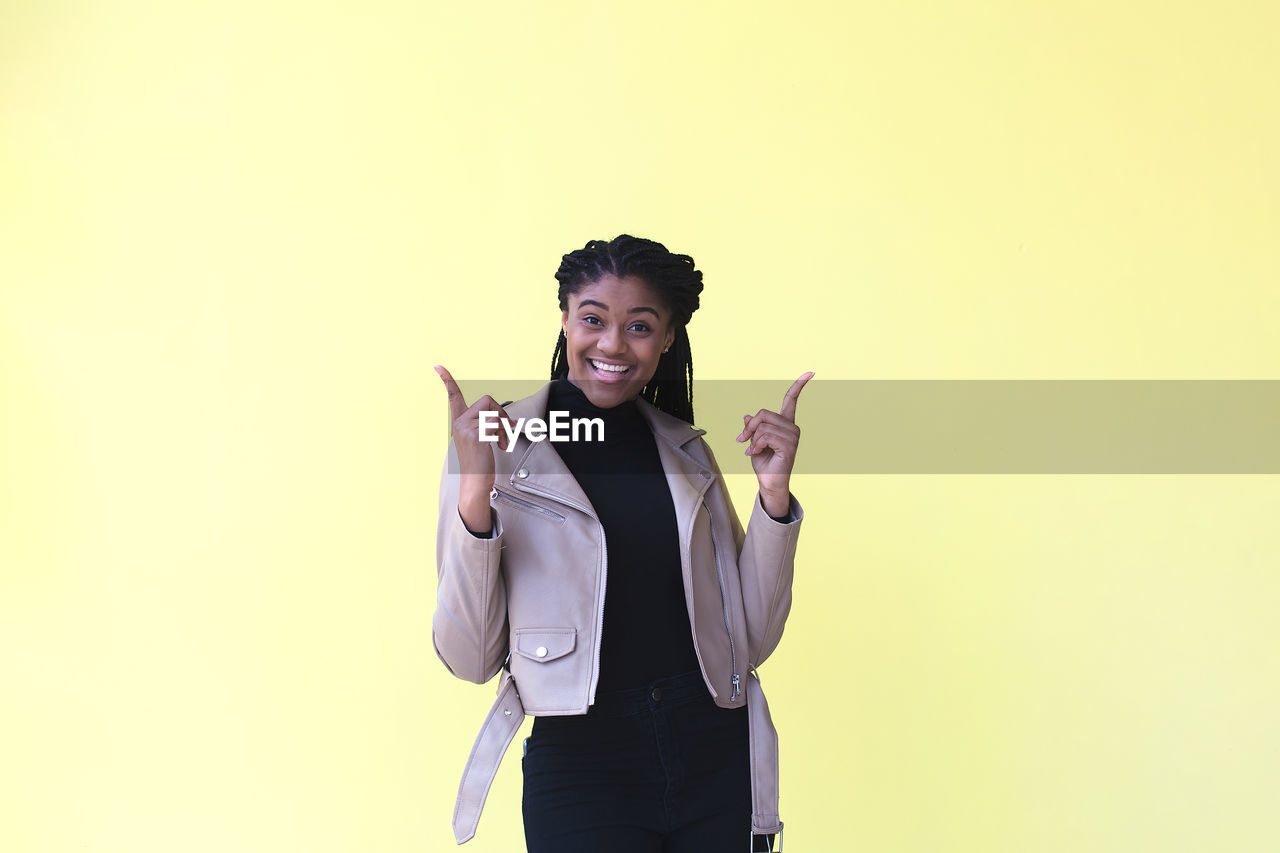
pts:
[766, 565]
[469, 626]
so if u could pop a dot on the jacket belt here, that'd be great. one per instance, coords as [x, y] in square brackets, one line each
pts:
[507, 714]
[491, 744]
[764, 760]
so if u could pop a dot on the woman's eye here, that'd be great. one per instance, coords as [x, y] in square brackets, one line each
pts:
[593, 320]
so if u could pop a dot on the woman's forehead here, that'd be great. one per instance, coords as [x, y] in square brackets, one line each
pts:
[620, 295]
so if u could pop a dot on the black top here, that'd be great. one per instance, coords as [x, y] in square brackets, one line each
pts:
[646, 632]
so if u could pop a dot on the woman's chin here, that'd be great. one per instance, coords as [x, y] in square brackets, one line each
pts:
[605, 393]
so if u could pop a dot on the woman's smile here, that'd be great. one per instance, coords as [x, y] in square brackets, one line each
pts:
[609, 371]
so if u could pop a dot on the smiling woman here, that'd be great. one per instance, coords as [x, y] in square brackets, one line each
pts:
[650, 734]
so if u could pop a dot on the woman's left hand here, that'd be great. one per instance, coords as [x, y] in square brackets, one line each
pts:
[774, 438]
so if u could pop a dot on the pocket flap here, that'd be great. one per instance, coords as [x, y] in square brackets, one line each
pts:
[544, 644]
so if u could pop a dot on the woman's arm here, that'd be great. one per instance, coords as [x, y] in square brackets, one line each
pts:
[766, 564]
[767, 558]
[469, 627]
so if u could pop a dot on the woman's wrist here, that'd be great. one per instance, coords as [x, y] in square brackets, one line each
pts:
[776, 505]
[475, 515]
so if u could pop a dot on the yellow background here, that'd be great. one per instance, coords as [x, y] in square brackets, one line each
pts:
[235, 236]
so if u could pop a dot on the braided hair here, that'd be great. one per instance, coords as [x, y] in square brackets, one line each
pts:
[675, 281]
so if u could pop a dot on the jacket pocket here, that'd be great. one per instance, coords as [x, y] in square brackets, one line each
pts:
[544, 644]
[497, 497]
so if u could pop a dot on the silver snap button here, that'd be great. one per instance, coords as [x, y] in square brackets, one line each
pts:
[657, 694]
[706, 475]
[540, 651]
[522, 473]
[506, 711]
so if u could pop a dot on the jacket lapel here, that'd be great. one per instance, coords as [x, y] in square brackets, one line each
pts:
[546, 473]
[687, 477]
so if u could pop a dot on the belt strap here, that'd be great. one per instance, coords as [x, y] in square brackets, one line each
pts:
[764, 760]
[499, 727]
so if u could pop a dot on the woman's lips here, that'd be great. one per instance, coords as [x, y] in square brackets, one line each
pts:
[607, 375]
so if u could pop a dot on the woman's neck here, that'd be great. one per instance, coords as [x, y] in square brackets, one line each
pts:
[567, 395]
[574, 387]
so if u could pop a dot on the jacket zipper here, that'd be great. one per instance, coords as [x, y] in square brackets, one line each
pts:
[724, 601]
[604, 577]
[495, 493]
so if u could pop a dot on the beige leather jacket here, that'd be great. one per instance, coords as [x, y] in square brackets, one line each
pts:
[532, 595]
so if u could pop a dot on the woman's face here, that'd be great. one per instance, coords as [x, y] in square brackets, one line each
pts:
[615, 330]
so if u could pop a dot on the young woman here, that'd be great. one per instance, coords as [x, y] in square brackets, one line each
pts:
[611, 582]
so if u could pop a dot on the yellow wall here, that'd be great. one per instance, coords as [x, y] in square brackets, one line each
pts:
[235, 236]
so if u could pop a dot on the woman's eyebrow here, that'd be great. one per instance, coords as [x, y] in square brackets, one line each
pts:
[632, 311]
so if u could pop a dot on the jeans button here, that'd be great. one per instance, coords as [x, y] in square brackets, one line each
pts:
[656, 694]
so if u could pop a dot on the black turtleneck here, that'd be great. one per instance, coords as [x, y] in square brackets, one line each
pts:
[646, 631]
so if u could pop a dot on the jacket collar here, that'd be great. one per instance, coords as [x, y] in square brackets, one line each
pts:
[545, 472]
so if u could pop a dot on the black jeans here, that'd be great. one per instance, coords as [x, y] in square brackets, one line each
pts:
[656, 769]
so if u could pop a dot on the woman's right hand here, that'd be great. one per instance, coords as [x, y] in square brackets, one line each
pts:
[475, 457]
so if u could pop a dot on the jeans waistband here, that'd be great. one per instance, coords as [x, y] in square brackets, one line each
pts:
[666, 692]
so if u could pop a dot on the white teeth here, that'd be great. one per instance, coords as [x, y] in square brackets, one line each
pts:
[608, 368]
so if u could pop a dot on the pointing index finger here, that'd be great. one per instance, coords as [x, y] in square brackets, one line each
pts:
[793, 394]
[457, 403]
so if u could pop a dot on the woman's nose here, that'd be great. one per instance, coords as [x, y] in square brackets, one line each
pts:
[612, 342]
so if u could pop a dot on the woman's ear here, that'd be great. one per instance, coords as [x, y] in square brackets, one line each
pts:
[564, 322]
[671, 338]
